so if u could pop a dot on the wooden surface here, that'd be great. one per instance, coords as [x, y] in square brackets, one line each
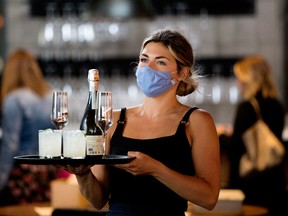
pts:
[246, 210]
[46, 209]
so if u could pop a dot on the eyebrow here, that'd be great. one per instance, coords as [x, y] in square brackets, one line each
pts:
[158, 57]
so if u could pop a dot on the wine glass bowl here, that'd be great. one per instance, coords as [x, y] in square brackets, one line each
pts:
[59, 114]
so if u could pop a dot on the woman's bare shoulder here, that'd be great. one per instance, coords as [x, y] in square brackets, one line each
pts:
[200, 115]
[129, 110]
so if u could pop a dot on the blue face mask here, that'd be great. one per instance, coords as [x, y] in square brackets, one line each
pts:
[153, 82]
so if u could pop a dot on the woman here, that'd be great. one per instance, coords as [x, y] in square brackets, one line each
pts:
[265, 188]
[177, 157]
[25, 105]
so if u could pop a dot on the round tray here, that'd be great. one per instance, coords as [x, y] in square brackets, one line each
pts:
[101, 159]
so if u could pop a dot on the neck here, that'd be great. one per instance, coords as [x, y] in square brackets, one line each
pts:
[155, 110]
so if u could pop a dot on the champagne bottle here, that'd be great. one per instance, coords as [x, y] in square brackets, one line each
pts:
[94, 134]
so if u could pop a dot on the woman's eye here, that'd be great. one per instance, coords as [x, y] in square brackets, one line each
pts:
[161, 63]
[143, 60]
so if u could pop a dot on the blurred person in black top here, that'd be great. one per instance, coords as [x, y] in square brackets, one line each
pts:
[265, 188]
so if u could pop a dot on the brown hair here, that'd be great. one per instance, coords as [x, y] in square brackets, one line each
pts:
[22, 70]
[182, 51]
[255, 72]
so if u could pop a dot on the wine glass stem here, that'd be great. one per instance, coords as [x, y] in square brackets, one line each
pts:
[104, 142]
[62, 149]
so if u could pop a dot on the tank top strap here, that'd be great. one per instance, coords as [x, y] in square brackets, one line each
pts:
[121, 122]
[122, 116]
[184, 119]
[187, 115]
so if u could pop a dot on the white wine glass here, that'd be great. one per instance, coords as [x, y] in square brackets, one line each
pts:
[104, 111]
[59, 114]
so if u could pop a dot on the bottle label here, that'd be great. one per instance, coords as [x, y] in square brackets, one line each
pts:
[94, 145]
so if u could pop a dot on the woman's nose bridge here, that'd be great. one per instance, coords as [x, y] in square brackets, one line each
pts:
[151, 64]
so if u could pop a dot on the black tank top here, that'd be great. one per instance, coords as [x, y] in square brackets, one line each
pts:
[145, 192]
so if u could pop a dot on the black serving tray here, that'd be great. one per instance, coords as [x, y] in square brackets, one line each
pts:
[102, 159]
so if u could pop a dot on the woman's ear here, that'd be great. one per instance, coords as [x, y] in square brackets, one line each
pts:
[183, 73]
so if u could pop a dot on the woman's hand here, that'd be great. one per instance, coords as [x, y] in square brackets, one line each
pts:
[141, 165]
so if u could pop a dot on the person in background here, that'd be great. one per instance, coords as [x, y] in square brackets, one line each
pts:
[176, 147]
[265, 188]
[26, 106]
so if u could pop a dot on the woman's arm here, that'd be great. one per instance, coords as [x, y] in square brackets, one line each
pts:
[94, 182]
[94, 185]
[204, 188]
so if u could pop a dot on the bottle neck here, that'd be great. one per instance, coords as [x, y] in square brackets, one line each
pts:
[93, 86]
[92, 100]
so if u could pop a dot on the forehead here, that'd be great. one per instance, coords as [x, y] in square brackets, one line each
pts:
[154, 49]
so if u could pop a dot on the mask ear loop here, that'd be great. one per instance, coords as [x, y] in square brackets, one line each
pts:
[173, 81]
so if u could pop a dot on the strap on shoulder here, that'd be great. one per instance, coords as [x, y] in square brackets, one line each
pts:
[122, 116]
[187, 115]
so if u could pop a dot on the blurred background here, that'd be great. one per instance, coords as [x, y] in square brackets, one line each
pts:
[68, 37]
